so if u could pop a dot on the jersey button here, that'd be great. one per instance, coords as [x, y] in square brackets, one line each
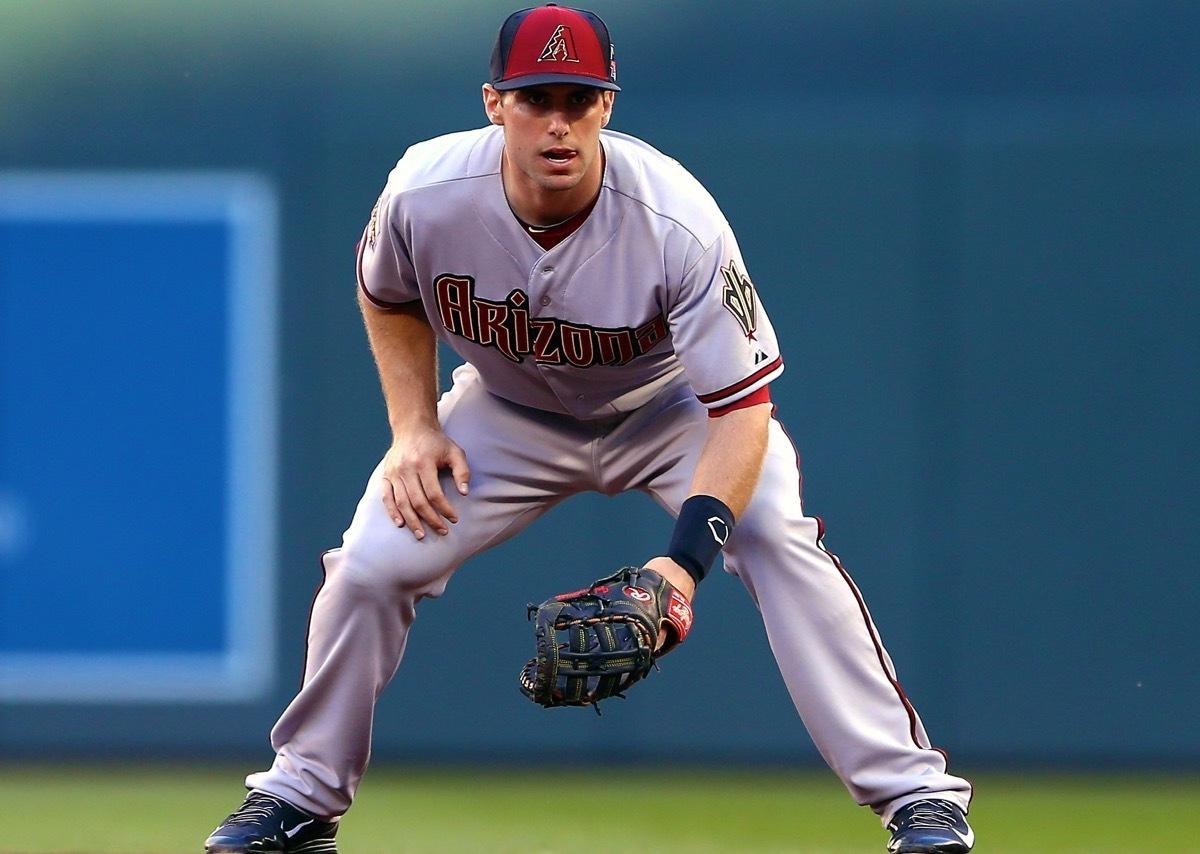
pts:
[547, 270]
[545, 300]
[579, 397]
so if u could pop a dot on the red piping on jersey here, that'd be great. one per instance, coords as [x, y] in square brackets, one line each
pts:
[359, 251]
[874, 634]
[741, 384]
[762, 395]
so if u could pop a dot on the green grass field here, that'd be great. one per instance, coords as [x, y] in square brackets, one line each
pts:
[170, 811]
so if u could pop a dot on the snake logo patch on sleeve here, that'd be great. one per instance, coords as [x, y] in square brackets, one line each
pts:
[739, 297]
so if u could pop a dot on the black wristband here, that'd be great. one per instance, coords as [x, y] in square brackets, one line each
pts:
[703, 527]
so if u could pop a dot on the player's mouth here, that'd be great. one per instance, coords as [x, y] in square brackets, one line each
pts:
[559, 156]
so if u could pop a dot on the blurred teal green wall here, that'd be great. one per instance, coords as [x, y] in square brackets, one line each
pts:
[976, 226]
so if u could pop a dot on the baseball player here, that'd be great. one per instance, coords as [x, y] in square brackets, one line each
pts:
[612, 340]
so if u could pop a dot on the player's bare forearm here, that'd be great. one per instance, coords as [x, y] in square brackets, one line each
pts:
[405, 351]
[732, 457]
[728, 470]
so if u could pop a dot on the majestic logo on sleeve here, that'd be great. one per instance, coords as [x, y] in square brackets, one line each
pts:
[560, 48]
[740, 299]
[506, 326]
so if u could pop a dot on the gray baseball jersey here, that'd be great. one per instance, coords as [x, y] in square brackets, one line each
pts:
[593, 366]
[584, 329]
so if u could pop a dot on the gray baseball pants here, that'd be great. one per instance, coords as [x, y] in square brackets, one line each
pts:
[523, 462]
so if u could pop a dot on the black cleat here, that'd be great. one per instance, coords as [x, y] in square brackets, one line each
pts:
[265, 823]
[930, 827]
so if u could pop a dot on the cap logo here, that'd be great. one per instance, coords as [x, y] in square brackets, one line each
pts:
[561, 47]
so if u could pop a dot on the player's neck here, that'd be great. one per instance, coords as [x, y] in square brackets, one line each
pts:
[537, 206]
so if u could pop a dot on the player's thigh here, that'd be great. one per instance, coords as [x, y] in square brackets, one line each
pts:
[520, 465]
[771, 531]
[656, 448]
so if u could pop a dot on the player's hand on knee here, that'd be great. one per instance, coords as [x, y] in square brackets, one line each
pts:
[412, 490]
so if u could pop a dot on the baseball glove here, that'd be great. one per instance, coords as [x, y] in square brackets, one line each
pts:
[594, 643]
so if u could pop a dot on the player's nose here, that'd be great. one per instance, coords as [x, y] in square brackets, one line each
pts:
[559, 126]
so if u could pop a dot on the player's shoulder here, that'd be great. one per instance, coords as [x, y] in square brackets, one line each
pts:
[661, 186]
[450, 157]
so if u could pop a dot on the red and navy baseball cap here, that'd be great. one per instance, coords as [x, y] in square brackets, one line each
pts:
[553, 44]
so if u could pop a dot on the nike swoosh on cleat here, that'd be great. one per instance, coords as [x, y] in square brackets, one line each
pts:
[290, 833]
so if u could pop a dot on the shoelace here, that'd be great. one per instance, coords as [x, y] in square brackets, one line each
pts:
[257, 807]
[933, 815]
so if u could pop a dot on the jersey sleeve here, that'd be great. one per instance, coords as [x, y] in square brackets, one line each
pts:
[385, 270]
[720, 332]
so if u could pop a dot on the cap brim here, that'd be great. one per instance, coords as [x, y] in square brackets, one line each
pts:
[545, 79]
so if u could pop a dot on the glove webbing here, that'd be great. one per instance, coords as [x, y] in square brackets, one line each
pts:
[577, 664]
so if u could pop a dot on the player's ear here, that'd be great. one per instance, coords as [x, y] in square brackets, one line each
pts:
[608, 98]
[491, 104]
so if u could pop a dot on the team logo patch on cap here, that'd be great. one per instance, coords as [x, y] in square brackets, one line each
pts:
[561, 47]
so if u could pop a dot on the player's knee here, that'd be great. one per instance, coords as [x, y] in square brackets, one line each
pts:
[769, 534]
[752, 532]
[377, 576]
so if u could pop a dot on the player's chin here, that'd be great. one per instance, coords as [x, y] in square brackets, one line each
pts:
[560, 181]
[562, 176]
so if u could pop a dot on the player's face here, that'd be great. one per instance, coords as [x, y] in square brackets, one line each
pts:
[551, 132]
